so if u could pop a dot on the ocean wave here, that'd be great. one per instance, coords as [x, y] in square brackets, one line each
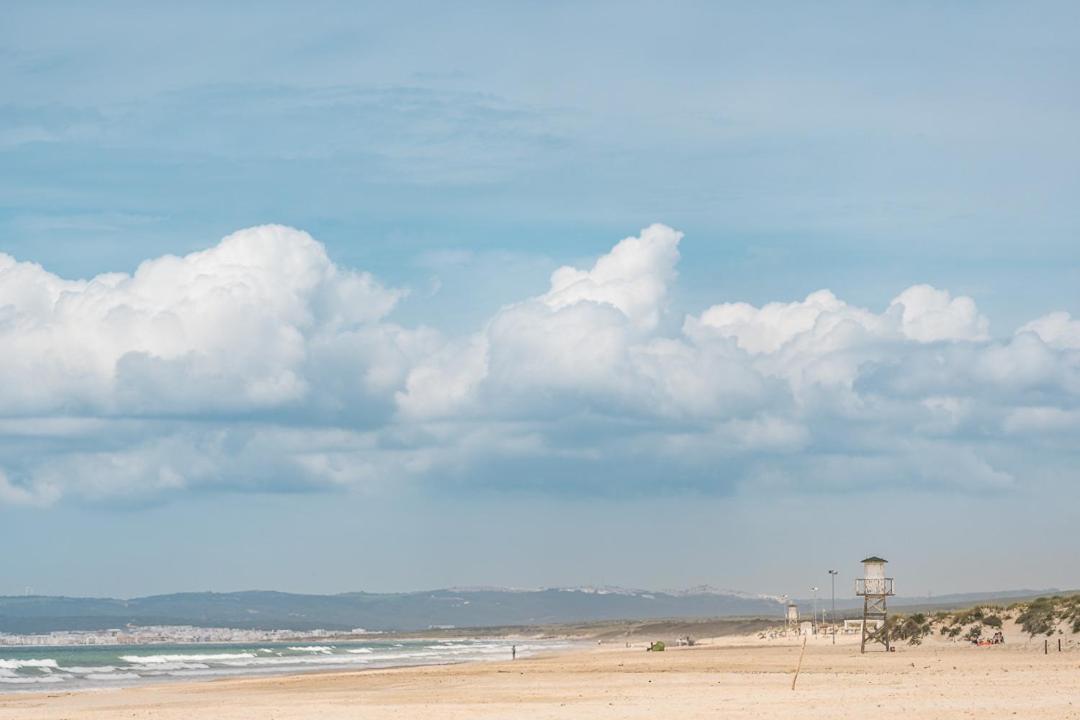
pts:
[157, 659]
[75, 668]
[297, 660]
[160, 668]
[113, 676]
[47, 663]
[33, 680]
[79, 670]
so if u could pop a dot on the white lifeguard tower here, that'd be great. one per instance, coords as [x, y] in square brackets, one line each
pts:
[874, 588]
[793, 617]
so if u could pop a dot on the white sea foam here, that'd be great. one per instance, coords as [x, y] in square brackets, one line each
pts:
[98, 669]
[16, 664]
[159, 668]
[297, 660]
[39, 674]
[157, 659]
[33, 680]
[113, 676]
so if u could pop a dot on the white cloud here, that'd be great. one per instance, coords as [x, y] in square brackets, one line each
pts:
[225, 328]
[259, 364]
[633, 277]
[575, 338]
[1057, 330]
[928, 315]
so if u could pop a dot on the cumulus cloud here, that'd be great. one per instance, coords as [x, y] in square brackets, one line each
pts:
[229, 328]
[1058, 330]
[575, 339]
[633, 277]
[927, 314]
[260, 364]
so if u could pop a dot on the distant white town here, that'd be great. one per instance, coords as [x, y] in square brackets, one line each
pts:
[170, 634]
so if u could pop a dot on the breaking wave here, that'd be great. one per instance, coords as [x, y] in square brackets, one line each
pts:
[155, 659]
[97, 666]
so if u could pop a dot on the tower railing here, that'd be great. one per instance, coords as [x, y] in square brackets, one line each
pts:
[873, 586]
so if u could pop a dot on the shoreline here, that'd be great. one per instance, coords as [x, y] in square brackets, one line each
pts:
[733, 677]
[362, 658]
[45, 669]
[285, 676]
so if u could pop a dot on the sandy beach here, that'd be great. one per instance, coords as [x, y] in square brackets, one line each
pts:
[730, 678]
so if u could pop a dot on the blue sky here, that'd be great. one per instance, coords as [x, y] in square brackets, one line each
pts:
[400, 378]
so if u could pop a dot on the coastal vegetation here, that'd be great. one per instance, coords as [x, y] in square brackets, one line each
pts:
[1042, 616]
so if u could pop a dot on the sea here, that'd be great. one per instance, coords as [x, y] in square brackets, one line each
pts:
[87, 666]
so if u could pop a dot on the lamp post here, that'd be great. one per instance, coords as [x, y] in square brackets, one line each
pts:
[814, 589]
[832, 613]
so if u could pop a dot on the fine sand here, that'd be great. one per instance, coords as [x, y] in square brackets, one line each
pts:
[725, 678]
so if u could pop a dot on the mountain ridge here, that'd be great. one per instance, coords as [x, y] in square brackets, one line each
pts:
[421, 609]
[413, 610]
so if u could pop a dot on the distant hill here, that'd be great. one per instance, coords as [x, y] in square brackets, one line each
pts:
[466, 607]
[851, 607]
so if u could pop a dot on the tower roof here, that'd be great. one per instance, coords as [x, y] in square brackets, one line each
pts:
[874, 559]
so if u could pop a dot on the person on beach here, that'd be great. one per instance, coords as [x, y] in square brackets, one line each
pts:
[513, 652]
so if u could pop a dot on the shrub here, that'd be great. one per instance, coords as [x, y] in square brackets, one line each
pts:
[993, 621]
[1038, 617]
[912, 628]
[969, 616]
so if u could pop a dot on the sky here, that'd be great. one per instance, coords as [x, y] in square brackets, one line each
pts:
[370, 297]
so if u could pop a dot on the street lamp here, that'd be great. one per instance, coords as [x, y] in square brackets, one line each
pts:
[832, 577]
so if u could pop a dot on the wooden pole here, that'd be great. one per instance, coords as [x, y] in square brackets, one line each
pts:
[1059, 644]
[1046, 646]
[799, 666]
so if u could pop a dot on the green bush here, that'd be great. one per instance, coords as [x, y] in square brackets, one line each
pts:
[912, 628]
[1038, 618]
[969, 616]
[993, 621]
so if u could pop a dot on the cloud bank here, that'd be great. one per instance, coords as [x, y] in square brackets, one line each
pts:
[261, 365]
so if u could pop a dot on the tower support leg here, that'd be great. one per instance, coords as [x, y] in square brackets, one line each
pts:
[875, 610]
